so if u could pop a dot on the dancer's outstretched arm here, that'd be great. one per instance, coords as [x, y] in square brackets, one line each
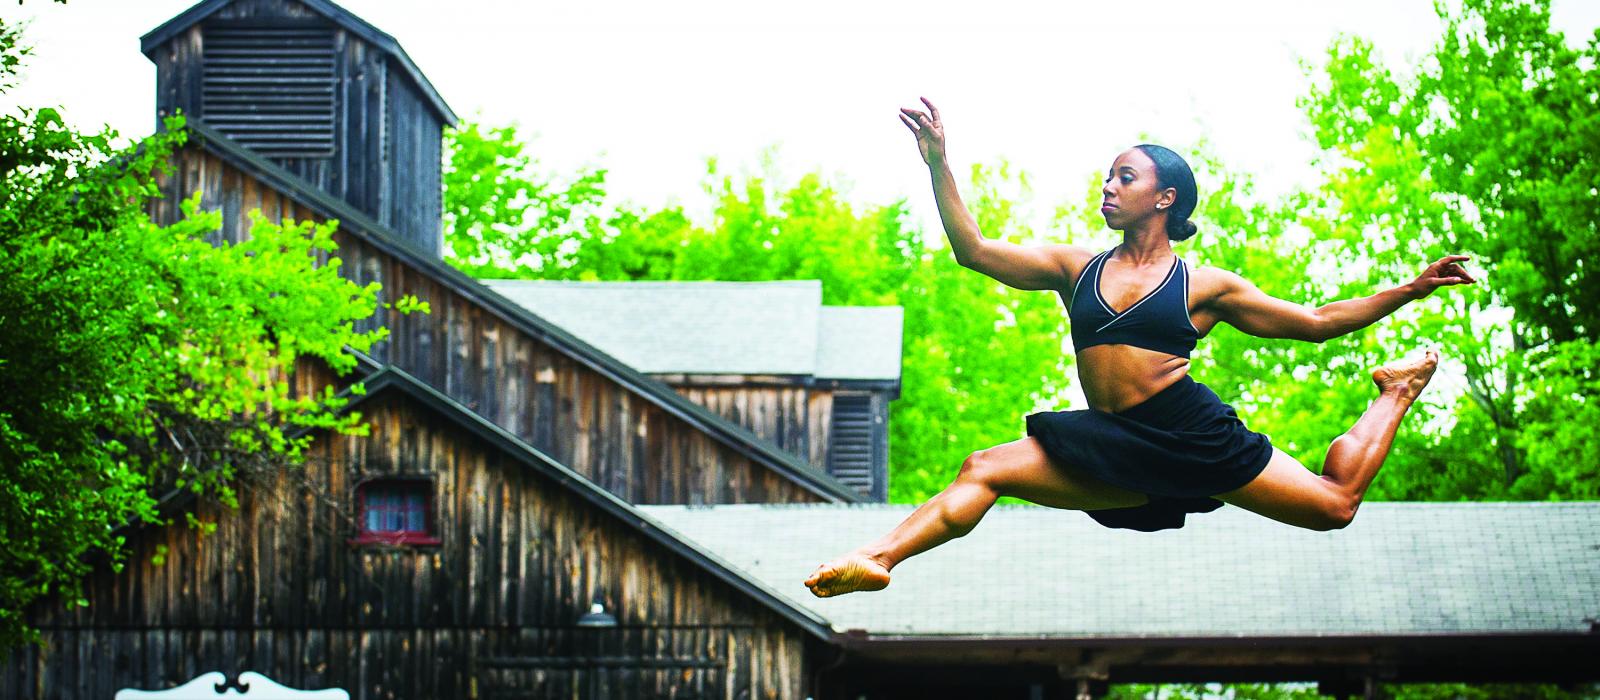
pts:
[1051, 266]
[1240, 304]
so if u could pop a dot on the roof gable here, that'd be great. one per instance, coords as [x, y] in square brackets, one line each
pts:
[336, 14]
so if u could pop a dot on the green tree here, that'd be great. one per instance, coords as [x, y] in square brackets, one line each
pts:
[501, 214]
[1490, 149]
[136, 359]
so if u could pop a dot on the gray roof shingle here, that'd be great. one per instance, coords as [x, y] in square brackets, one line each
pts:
[716, 327]
[1399, 569]
[859, 342]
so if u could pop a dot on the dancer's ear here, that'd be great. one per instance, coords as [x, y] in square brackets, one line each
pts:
[1168, 196]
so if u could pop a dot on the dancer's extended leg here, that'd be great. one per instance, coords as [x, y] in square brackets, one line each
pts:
[1020, 469]
[1288, 492]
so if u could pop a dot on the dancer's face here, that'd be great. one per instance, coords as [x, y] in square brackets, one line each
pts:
[1130, 195]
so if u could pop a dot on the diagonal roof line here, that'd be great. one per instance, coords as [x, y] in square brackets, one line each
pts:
[727, 432]
[340, 16]
[394, 379]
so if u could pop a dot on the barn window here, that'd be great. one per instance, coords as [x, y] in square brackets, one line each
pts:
[396, 511]
[270, 86]
[850, 444]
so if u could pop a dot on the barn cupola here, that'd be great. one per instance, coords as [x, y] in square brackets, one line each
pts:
[318, 91]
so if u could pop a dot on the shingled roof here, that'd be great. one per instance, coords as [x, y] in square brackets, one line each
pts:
[1401, 569]
[714, 327]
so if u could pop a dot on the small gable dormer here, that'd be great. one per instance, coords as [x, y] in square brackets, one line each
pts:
[317, 91]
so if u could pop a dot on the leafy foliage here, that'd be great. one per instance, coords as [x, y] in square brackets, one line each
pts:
[499, 213]
[138, 359]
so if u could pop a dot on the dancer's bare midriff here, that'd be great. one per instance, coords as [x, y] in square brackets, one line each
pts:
[1118, 377]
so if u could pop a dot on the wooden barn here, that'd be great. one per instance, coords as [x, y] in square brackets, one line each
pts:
[439, 557]
[536, 379]
[815, 380]
[541, 512]
[311, 107]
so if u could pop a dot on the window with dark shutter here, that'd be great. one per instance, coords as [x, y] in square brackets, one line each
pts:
[270, 87]
[396, 511]
[850, 441]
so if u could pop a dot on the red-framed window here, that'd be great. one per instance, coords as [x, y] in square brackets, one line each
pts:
[396, 511]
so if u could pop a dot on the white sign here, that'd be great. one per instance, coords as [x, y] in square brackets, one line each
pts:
[256, 687]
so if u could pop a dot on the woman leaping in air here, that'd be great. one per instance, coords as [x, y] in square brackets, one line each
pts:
[1154, 445]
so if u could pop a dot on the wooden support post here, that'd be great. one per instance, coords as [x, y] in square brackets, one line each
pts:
[1088, 680]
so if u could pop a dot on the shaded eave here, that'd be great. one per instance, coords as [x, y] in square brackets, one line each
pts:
[1476, 656]
[371, 232]
[391, 379]
[338, 15]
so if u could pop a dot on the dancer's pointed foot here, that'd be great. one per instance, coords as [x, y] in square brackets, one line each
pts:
[1407, 377]
[852, 572]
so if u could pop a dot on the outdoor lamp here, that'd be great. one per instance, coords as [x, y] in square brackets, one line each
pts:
[597, 616]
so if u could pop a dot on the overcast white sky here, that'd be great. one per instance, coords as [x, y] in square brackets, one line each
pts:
[650, 89]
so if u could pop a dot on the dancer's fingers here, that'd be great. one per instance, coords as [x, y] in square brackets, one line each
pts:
[1454, 272]
[909, 125]
[920, 118]
[931, 109]
[1448, 264]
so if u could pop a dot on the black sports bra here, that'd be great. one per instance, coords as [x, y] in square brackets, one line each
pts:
[1159, 321]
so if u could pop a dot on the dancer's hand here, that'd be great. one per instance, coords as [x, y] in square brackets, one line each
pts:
[929, 131]
[1442, 273]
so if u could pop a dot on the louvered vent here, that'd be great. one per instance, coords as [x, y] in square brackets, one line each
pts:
[850, 444]
[271, 88]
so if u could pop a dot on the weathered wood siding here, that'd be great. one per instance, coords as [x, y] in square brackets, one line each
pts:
[387, 139]
[796, 418]
[585, 420]
[785, 416]
[279, 590]
[413, 199]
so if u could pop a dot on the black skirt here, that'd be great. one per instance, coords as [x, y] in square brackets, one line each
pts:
[1180, 447]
